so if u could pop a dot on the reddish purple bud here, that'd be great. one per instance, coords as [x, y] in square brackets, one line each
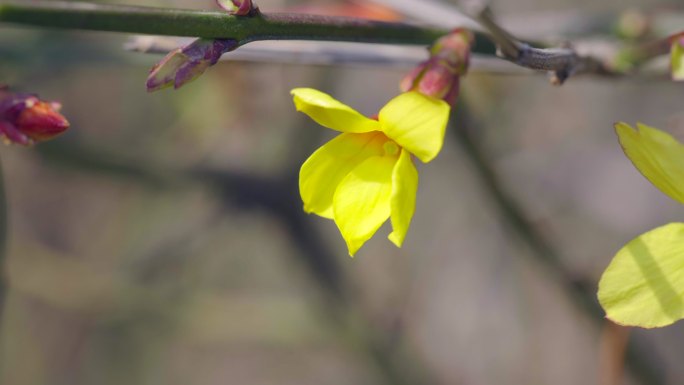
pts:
[239, 7]
[439, 76]
[25, 119]
[184, 65]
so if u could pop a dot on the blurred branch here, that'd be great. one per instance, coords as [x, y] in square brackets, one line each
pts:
[276, 196]
[387, 55]
[614, 340]
[70, 156]
[580, 291]
[438, 13]
[3, 245]
[325, 53]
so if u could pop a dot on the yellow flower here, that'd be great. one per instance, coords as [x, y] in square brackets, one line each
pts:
[366, 174]
[644, 284]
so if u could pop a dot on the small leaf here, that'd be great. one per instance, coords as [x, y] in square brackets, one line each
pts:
[657, 155]
[644, 284]
[677, 59]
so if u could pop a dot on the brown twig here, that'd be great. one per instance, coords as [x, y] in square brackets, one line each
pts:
[561, 62]
[614, 339]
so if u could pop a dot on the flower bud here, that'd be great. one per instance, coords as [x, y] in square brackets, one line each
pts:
[239, 7]
[183, 65]
[25, 119]
[439, 76]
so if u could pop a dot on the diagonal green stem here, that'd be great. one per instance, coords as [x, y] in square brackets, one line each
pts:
[209, 24]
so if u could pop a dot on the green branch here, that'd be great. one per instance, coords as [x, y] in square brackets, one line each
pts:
[207, 24]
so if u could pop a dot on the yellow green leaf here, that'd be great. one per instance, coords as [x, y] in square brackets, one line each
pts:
[677, 59]
[324, 170]
[330, 113]
[403, 203]
[657, 155]
[417, 123]
[644, 284]
[362, 201]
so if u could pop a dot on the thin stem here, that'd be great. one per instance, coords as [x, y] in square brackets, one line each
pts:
[561, 62]
[207, 24]
[509, 46]
[614, 339]
[3, 246]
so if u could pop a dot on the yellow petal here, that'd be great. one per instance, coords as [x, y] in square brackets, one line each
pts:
[677, 59]
[644, 284]
[657, 155]
[330, 113]
[324, 170]
[362, 200]
[417, 123]
[403, 204]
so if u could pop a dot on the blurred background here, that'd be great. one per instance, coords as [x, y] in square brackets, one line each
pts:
[161, 239]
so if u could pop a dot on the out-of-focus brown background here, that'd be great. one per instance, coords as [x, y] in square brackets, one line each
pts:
[161, 241]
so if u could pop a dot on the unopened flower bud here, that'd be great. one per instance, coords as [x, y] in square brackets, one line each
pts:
[25, 119]
[183, 65]
[439, 76]
[239, 7]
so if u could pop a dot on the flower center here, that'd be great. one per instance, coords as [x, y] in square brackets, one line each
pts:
[390, 148]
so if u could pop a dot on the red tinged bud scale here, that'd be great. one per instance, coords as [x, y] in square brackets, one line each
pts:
[184, 65]
[439, 76]
[26, 119]
[239, 7]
